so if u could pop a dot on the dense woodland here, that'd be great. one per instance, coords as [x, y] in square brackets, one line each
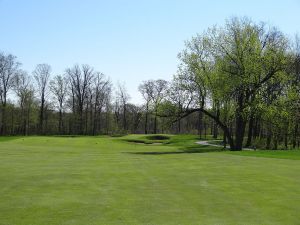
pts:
[240, 82]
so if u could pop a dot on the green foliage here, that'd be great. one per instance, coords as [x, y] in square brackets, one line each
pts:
[234, 71]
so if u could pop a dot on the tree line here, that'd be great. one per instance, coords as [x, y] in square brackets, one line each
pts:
[81, 101]
[240, 80]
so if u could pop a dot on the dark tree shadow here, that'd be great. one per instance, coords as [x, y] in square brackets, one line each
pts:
[183, 150]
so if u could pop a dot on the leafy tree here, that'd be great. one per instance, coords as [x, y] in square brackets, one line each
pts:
[232, 64]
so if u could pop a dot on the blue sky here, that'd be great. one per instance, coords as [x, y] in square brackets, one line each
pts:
[130, 41]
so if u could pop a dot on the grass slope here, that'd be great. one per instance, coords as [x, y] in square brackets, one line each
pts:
[103, 180]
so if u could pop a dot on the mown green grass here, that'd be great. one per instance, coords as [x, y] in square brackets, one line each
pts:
[105, 180]
[280, 154]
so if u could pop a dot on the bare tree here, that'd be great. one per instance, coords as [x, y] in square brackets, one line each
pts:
[42, 75]
[181, 96]
[122, 98]
[58, 86]
[25, 92]
[101, 91]
[80, 80]
[117, 111]
[8, 68]
[147, 90]
[136, 113]
[159, 92]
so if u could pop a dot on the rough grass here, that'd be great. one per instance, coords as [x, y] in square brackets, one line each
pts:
[105, 180]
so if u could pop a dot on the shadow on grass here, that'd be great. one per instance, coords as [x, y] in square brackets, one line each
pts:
[183, 150]
[67, 136]
[9, 138]
[158, 137]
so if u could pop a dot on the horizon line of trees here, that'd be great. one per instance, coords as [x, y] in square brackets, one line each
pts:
[241, 81]
[81, 101]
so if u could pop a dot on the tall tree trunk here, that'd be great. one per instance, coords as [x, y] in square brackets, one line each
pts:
[256, 128]
[3, 119]
[12, 122]
[92, 120]
[179, 126]
[60, 122]
[107, 119]
[215, 124]
[275, 142]
[41, 122]
[295, 135]
[95, 122]
[240, 124]
[239, 133]
[124, 118]
[269, 137]
[86, 118]
[200, 123]
[215, 131]
[81, 121]
[146, 119]
[99, 121]
[155, 122]
[250, 131]
[224, 140]
[286, 140]
[205, 130]
[28, 121]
